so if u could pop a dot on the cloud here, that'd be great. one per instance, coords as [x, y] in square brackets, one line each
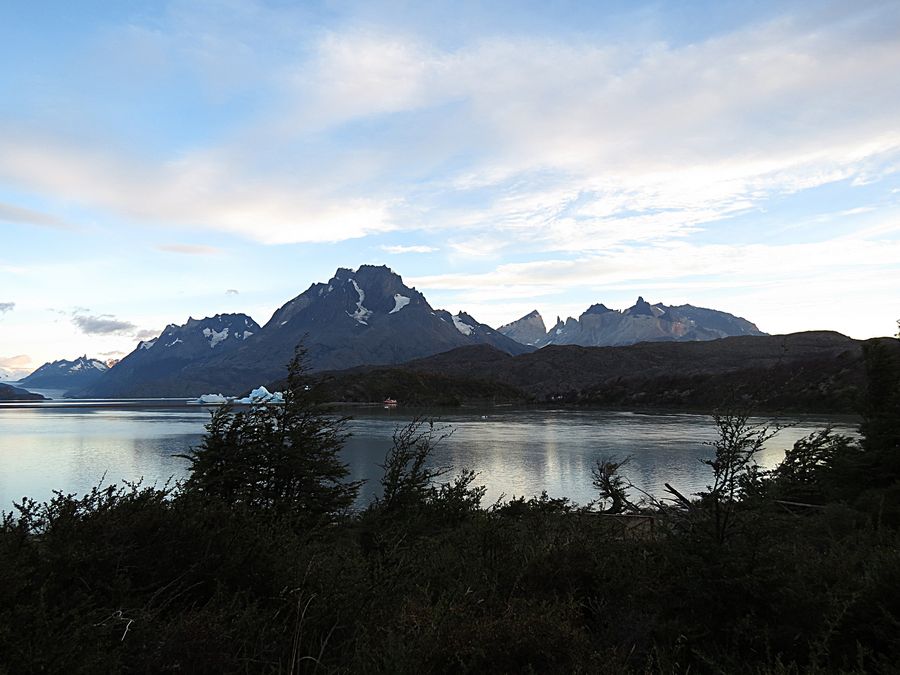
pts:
[146, 334]
[232, 291]
[721, 264]
[16, 367]
[7, 307]
[205, 189]
[399, 249]
[18, 215]
[189, 249]
[14, 362]
[553, 143]
[103, 325]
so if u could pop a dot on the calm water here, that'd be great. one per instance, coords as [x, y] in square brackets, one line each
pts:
[517, 452]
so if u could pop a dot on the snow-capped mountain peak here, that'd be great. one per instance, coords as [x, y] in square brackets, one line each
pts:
[65, 374]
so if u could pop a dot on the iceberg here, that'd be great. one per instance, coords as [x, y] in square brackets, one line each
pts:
[261, 395]
[210, 399]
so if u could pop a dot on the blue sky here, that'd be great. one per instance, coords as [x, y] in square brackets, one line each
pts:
[160, 160]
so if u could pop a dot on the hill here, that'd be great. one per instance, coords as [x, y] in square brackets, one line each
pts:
[811, 371]
[10, 393]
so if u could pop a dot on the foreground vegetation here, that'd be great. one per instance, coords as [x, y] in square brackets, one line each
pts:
[257, 563]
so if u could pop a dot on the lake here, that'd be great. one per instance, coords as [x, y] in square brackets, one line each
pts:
[72, 446]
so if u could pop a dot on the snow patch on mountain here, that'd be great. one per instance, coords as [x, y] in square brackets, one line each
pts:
[147, 344]
[215, 337]
[462, 326]
[400, 301]
[361, 314]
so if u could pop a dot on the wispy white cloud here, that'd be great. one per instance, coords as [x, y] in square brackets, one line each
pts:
[18, 215]
[203, 190]
[721, 263]
[400, 249]
[189, 249]
[7, 307]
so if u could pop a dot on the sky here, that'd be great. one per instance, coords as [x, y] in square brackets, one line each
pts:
[160, 160]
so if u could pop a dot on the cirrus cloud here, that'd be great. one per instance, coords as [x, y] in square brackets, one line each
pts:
[21, 216]
[189, 249]
[400, 249]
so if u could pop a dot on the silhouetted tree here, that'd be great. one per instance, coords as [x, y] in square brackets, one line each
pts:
[612, 486]
[408, 478]
[733, 467]
[276, 458]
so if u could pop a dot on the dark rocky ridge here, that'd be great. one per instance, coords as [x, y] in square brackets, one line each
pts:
[11, 393]
[812, 372]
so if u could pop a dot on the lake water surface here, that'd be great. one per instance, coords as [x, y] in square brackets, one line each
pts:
[72, 446]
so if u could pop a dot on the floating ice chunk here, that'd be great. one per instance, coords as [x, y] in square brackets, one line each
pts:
[261, 395]
[461, 325]
[400, 301]
[209, 399]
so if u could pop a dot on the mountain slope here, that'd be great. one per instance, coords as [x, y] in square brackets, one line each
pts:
[529, 330]
[66, 375]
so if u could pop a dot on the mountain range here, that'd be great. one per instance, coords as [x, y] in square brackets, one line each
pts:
[600, 326]
[366, 317]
